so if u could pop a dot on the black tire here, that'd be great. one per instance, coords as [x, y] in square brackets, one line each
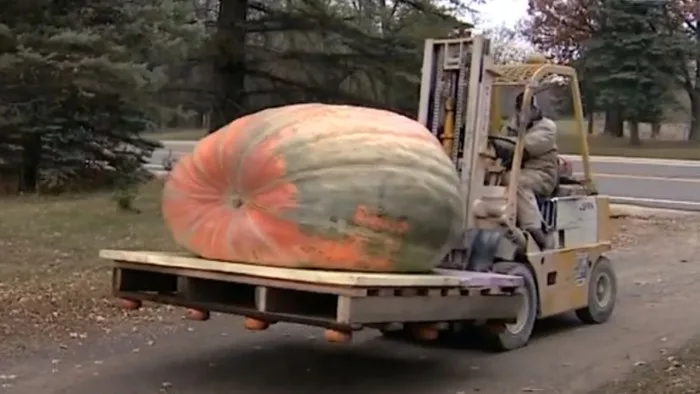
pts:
[602, 293]
[517, 335]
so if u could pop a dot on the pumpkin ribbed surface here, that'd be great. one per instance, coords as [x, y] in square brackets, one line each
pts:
[317, 186]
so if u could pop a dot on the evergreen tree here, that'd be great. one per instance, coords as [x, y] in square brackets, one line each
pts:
[628, 62]
[79, 81]
[365, 52]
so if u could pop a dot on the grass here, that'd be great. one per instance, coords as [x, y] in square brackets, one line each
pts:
[52, 284]
[670, 146]
[601, 145]
[677, 373]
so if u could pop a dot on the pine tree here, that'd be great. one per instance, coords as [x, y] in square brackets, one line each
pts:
[79, 86]
[628, 63]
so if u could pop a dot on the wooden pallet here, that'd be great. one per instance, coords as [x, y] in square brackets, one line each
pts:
[329, 299]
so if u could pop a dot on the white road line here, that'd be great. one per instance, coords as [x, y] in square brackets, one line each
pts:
[643, 177]
[641, 199]
[636, 160]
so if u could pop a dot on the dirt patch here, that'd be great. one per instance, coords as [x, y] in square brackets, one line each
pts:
[673, 371]
[53, 287]
[676, 373]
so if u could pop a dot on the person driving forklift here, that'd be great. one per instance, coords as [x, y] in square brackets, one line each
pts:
[540, 167]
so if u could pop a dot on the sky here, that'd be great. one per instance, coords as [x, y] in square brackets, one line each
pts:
[501, 12]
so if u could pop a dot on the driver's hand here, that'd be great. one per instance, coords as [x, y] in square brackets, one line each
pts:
[505, 145]
[503, 149]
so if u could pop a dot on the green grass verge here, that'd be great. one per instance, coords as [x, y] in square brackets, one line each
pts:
[601, 145]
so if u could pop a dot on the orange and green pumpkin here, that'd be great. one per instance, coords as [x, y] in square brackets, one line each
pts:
[317, 186]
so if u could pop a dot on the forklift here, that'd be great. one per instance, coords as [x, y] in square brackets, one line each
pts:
[494, 283]
[460, 104]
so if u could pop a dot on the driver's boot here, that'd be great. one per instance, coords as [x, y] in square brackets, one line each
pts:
[540, 238]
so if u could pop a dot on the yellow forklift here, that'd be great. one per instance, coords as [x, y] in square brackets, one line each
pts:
[460, 103]
[495, 281]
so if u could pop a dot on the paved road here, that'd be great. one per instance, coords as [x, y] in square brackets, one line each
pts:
[670, 184]
[658, 291]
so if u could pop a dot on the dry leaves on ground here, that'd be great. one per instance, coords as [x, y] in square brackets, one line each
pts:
[677, 373]
[53, 287]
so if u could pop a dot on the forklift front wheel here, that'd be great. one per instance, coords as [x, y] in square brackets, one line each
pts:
[518, 334]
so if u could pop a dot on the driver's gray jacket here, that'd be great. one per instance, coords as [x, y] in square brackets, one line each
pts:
[541, 169]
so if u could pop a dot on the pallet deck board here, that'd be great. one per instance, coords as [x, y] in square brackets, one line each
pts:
[439, 278]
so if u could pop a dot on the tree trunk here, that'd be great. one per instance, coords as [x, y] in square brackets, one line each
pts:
[655, 130]
[693, 87]
[591, 119]
[614, 124]
[229, 63]
[694, 130]
[31, 157]
[634, 133]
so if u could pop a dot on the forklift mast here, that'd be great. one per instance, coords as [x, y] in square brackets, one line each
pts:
[455, 102]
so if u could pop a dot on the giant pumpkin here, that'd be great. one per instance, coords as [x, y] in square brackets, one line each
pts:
[317, 186]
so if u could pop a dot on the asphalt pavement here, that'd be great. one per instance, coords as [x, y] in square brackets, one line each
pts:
[654, 183]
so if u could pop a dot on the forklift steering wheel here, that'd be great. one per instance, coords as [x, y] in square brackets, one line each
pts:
[504, 148]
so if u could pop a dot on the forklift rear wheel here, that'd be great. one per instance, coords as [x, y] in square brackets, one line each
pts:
[518, 334]
[602, 293]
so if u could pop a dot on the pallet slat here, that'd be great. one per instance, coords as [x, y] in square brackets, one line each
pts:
[441, 278]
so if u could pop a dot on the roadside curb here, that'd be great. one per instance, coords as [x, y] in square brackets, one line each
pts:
[626, 210]
[656, 204]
